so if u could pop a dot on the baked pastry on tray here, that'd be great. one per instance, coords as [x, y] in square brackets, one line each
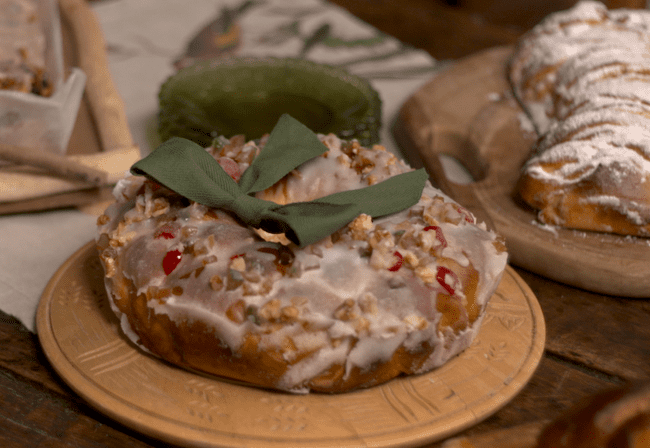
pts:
[22, 48]
[377, 298]
[583, 77]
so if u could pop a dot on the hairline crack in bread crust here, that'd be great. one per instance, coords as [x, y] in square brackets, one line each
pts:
[379, 298]
[583, 78]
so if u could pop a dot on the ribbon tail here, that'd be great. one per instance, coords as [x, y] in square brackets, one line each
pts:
[387, 197]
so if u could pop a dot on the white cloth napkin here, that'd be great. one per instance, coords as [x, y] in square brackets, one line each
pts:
[143, 39]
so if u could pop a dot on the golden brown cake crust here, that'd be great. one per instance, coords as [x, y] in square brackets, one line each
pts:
[379, 298]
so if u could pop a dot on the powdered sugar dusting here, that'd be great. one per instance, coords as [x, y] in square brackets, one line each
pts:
[583, 79]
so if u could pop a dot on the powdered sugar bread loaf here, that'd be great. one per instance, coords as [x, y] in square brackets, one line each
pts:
[583, 77]
[379, 298]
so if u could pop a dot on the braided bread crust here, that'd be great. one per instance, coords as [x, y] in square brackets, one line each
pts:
[583, 77]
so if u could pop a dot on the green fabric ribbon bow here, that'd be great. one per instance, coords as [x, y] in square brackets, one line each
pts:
[189, 170]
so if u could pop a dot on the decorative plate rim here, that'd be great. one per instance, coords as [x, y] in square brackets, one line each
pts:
[58, 343]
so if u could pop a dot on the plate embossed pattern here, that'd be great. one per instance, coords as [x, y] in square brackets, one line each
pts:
[82, 339]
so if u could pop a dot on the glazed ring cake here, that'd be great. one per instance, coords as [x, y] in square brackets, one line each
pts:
[583, 77]
[376, 299]
[616, 418]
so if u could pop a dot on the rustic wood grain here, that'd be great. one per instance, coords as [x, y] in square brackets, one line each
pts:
[39, 410]
[450, 29]
[554, 388]
[605, 333]
[522, 436]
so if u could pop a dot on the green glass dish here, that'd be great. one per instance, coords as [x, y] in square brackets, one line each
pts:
[248, 96]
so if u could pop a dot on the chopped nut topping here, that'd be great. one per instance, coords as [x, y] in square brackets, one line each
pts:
[408, 239]
[416, 321]
[372, 179]
[238, 264]
[159, 206]
[103, 219]
[361, 325]
[289, 313]
[382, 258]
[109, 265]
[426, 274]
[216, 283]
[188, 231]
[237, 312]
[360, 227]
[381, 239]
[235, 280]
[368, 303]
[344, 160]
[270, 311]
[411, 259]
[209, 259]
[346, 311]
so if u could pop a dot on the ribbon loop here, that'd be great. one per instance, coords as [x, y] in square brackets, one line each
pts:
[290, 144]
[189, 170]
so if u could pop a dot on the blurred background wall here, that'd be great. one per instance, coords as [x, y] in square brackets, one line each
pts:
[471, 24]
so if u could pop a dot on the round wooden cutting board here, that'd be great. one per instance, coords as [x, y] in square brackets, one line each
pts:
[82, 339]
[468, 113]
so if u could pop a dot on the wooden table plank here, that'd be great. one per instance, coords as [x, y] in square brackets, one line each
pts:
[39, 410]
[604, 333]
[555, 387]
[33, 416]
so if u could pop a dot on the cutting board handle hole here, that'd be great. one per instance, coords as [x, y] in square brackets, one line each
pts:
[455, 170]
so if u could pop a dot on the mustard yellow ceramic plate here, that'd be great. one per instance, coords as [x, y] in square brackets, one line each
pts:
[83, 341]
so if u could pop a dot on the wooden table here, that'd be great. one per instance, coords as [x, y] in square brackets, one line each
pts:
[593, 341]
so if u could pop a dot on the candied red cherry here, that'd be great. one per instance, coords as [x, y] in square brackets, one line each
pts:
[171, 260]
[442, 275]
[165, 231]
[398, 263]
[466, 214]
[230, 167]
